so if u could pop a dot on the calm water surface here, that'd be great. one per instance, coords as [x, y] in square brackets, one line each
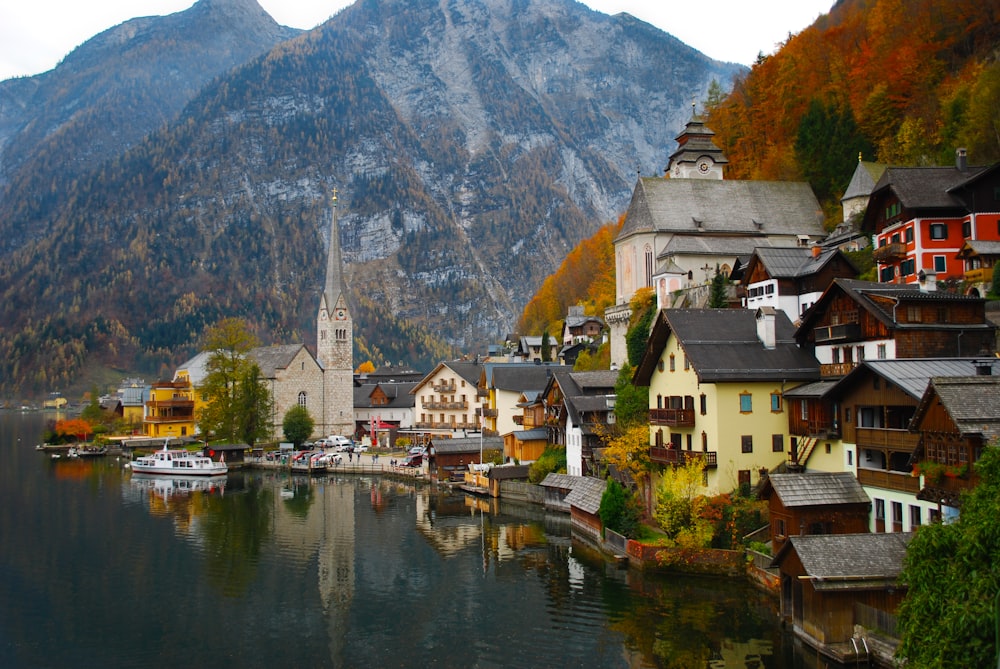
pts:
[263, 570]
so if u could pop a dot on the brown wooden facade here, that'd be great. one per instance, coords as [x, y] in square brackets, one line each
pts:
[837, 267]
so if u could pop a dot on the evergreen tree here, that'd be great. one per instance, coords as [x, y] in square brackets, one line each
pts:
[546, 346]
[619, 510]
[717, 298]
[631, 401]
[254, 406]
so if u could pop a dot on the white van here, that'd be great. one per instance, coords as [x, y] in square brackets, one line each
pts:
[339, 442]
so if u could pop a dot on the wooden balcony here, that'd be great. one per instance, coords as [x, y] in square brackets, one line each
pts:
[897, 440]
[444, 387]
[674, 456]
[980, 275]
[889, 253]
[880, 478]
[836, 369]
[829, 334]
[462, 406]
[488, 412]
[672, 417]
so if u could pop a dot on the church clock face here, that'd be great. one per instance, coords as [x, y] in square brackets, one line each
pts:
[704, 166]
[340, 314]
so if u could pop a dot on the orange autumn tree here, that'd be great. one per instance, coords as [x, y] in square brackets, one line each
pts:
[73, 427]
[586, 276]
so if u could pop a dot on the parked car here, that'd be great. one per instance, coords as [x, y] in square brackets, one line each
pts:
[339, 443]
[417, 450]
[360, 448]
[412, 460]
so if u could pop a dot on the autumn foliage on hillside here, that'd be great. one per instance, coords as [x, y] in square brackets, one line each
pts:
[911, 79]
[586, 276]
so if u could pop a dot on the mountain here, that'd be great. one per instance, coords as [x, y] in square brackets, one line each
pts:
[472, 145]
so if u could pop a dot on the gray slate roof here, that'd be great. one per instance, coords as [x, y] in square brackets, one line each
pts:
[467, 444]
[671, 205]
[973, 402]
[790, 262]
[518, 377]
[722, 345]
[849, 561]
[913, 374]
[398, 393]
[926, 187]
[863, 181]
[818, 489]
[562, 481]
[272, 358]
[815, 389]
[586, 494]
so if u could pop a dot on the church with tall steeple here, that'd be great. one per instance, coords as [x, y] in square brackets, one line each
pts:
[335, 339]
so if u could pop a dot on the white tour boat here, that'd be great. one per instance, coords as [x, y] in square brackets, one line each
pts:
[178, 462]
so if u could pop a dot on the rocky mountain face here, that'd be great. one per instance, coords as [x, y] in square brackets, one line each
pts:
[472, 144]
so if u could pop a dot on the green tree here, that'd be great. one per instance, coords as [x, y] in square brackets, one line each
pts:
[297, 425]
[229, 342]
[948, 617]
[631, 401]
[546, 346]
[827, 148]
[620, 511]
[92, 413]
[254, 406]
[552, 460]
[717, 298]
[643, 306]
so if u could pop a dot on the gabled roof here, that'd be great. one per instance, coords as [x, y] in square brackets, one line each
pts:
[722, 345]
[583, 391]
[586, 494]
[878, 299]
[534, 434]
[563, 481]
[925, 190]
[723, 206]
[399, 395]
[270, 359]
[518, 377]
[816, 489]
[979, 247]
[467, 445]
[911, 375]
[792, 262]
[849, 561]
[508, 472]
[196, 368]
[972, 402]
[470, 371]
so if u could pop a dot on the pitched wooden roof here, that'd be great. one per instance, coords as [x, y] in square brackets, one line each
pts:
[849, 561]
[586, 494]
[816, 489]
[972, 402]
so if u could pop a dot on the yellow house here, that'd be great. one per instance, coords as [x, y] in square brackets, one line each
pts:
[447, 400]
[716, 380]
[170, 411]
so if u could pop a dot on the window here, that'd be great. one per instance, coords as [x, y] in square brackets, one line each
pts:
[966, 229]
[779, 527]
[804, 409]
[880, 509]
[895, 238]
[836, 355]
[704, 404]
[777, 443]
[907, 267]
[940, 264]
[648, 253]
[886, 274]
[861, 353]
[908, 234]
[914, 516]
[742, 477]
[881, 351]
[850, 458]
[673, 365]
[746, 443]
[897, 516]
[704, 441]
[687, 365]
[939, 231]
[302, 399]
[746, 403]
[775, 402]
[829, 448]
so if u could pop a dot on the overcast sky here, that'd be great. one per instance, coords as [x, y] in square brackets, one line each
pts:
[36, 34]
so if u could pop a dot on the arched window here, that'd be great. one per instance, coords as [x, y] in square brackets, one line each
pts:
[302, 398]
[648, 256]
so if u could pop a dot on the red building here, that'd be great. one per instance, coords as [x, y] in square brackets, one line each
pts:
[921, 217]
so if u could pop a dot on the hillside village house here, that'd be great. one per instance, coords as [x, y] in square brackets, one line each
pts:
[792, 279]
[577, 405]
[680, 229]
[447, 400]
[921, 216]
[527, 443]
[862, 320]
[800, 504]
[579, 327]
[716, 380]
[956, 419]
[170, 410]
[384, 409]
[979, 258]
[502, 385]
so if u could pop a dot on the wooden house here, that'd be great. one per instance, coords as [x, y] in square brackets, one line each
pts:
[792, 278]
[979, 259]
[828, 580]
[802, 504]
[855, 321]
[556, 487]
[497, 475]
[956, 419]
[449, 459]
[576, 405]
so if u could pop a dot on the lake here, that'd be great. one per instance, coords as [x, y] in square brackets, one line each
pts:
[262, 569]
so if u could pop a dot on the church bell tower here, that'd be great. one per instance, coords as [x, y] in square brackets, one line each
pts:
[335, 340]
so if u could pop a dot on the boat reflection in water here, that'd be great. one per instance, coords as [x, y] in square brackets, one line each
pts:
[173, 494]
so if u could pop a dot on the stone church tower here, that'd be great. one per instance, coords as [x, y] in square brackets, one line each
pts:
[335, 341]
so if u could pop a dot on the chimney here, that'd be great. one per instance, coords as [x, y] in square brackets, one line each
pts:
[765, 327]
[817, 250]
[983, 367]
[927, 280]
[961, 160]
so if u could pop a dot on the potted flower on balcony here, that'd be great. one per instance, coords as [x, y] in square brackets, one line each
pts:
[933, 472]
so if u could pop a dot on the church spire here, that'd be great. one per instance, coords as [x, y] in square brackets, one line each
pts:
[334, 278]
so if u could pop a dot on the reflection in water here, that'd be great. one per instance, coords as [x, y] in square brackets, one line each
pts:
[335, 572]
